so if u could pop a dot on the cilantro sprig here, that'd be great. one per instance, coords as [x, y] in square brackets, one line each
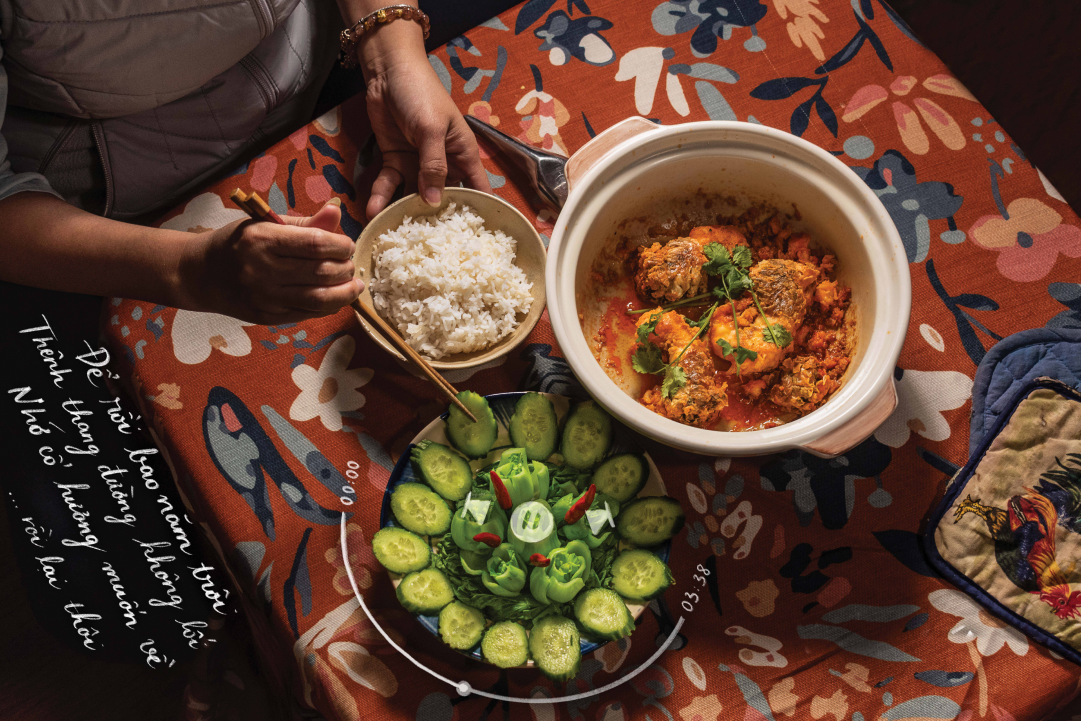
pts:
[731, 270]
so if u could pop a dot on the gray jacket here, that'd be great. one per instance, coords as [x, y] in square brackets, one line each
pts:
[122, 107]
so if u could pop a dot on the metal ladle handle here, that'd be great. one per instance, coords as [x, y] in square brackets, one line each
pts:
[545, 171]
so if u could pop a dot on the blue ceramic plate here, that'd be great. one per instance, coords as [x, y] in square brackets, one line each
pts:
[502, 405]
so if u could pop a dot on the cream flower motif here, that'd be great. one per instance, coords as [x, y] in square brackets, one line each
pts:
[195, 335]
[922, 396]
[702, 708]
[204, 212]
[802, 28]
[976, 623]
[331, 389]
[644, 66]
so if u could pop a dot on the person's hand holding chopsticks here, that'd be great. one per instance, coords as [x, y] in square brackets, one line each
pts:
[271, 274]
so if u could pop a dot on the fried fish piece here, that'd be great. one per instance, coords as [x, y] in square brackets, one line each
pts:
[804, 384]
[672, 271]
[702, 398]
[727, 235]
[784, 289]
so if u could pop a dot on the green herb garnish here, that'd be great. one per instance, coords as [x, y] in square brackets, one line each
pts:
[731, 270]
[647, 359]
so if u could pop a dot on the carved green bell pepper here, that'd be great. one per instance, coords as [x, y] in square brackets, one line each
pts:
[465, 526]
[564, 576]
[583, 528]
[580, 531]
[524, 480]
[505, 573]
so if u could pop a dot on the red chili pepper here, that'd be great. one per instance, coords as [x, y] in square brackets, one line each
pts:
[539, 560]
[488, 539]
[579, 508]
[501, 493]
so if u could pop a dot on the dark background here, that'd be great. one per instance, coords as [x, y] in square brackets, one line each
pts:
[1022, 61]
[1020, 58]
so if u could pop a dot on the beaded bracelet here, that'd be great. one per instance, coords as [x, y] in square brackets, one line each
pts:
[350, 36]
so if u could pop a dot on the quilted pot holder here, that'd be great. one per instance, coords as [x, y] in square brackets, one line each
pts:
[1008, 530]
[1012, 363]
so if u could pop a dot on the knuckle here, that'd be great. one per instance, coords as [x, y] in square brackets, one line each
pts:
[434, 166]
[324, 300]
[314, 240]
[431, 126]
[255, 232]
[332, 272]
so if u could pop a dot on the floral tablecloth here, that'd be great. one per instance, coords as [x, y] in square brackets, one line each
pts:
[819, 602]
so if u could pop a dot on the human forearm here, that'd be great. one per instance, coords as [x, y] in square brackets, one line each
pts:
[51, 244]
[260, 272]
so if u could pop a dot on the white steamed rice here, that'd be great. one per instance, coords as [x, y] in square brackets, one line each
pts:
[447, 284]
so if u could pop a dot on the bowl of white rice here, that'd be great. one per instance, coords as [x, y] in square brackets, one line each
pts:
[462, 283]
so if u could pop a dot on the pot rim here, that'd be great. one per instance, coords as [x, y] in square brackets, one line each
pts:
[860, 389]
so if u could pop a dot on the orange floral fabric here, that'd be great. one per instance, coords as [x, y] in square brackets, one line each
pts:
[817, 602]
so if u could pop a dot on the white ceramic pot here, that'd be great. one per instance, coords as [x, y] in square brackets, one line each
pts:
[637, 165]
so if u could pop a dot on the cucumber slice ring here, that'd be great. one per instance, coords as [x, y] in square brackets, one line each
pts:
[502, 406]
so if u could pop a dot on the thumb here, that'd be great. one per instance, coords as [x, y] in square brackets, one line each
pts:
[326, 218]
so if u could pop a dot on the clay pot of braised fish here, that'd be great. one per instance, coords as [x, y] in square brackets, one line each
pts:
[728, 289]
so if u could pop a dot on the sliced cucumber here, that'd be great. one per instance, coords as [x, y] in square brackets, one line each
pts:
[587, 435]
[650, 521]
[505, 645]
[400, 551]
[622, 476]
[534, 426]
[639, 576]
[418, 509]
[556, 647]
[445, 471]
[475, 440]
[603, 614]
[425, 592]
[461, 626]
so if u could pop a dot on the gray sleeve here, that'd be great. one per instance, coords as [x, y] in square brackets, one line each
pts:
[10, 181]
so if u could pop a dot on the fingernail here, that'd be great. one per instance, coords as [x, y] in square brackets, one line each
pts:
[335, 201]
[433, 196]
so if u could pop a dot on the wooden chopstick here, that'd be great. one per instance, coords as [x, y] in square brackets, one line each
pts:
[258, 209]
[405, 349]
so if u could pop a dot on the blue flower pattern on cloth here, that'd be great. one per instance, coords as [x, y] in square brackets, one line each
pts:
[827, 484]
[1069, 294]
[709, 19]
[911, 204]
[579, 38]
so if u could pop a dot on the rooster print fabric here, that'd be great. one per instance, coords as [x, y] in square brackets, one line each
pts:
[1012, 527]
[801, 585]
